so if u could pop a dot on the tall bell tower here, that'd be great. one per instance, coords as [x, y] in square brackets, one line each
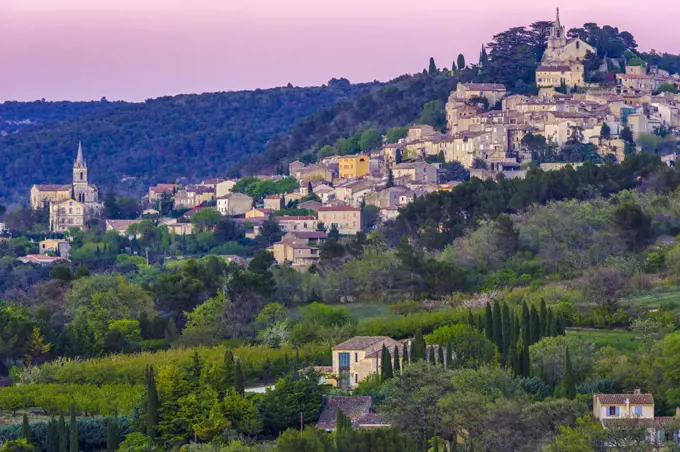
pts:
[558, 35]
[80, 184]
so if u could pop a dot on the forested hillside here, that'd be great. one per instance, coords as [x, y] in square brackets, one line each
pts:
[16, 116]
[161, 139]
[399, 102]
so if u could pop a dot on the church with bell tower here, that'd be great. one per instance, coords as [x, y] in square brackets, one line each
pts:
[562, 63]
[72, 205]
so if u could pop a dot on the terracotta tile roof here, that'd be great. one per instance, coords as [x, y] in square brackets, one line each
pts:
[372, 419]
[638, 422]
[295, 218]
[354, 407]
[620, 399]
[121, 225]
[360, 342]
[308, 235]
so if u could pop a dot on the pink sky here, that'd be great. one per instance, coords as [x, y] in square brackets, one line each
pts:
[138, 49]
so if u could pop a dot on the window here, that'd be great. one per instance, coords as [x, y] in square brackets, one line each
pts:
[356, 357]
[356, 378]
[343, 361]
[638, 410]
[612, 411]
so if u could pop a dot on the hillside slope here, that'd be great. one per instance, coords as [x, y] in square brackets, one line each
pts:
[161, 139]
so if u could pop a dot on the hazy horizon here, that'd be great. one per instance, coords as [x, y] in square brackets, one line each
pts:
[138, 49]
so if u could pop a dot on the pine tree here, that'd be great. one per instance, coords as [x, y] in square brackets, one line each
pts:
[112, 434]
[152, 403]
[534, 327]
[488, 326]
[385, 364]
[239, 384]
[568, 382]
[73, 426]
[440, 355]
[431, 359]
[506, 323]
[230, 368]
[497, 326]
[63, 438]
[342, 422]
[471, 319]
[52, 439]
[26, 429]
[543, 319]
[397, 365]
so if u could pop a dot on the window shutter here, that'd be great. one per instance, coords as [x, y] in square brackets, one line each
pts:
[618, 411]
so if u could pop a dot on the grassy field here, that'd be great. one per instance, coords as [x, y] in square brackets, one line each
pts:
[668, 296]
[622, 340]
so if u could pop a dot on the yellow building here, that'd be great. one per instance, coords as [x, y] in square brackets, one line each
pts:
[567, 75]
[359, 357]
[42, 195]
[296, 252]
[353, 166]
[67, 214]
[346, 219]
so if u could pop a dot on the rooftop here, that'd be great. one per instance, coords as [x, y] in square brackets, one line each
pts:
[484, 86]
[339, 209]
[354, 407]
[360, 342]
[620, 399]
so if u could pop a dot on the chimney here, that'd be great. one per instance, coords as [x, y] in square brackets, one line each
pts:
[636, 391]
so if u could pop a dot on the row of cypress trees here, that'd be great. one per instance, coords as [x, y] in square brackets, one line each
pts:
[391, 364]
[58, 440]
[513, 332]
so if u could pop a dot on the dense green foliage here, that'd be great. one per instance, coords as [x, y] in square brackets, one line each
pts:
[162, 139]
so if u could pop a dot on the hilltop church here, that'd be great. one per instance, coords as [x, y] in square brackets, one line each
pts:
[71, 205]
[562, 62]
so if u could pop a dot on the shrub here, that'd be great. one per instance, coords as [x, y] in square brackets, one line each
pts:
[406, 326]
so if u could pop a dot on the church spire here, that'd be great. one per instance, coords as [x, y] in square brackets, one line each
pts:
[80, 161]
[557, 19]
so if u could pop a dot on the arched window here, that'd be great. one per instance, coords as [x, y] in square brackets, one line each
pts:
[81, 175]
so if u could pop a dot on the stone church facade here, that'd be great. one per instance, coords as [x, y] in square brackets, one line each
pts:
[562, 62]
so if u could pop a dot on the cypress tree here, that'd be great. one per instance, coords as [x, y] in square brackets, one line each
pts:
[543, 319]
[26, 429]
[239, 384]
[507, 328]
[63, 438]
[488, 326]
[568, 382]
[561, 324]
[342, 422]
[449, 356]
[534, 327]
[431, 358]
[553, 324]
[52, 440]
[440, 355]
[497, 326]
[112, 434]
[405, 360]
[310, 188]
[385, 364]
[397, 365]
[73, 426]
[152, 403]
[230, 368]
[524, 364]
[548, 324]
[418, 348]
[471, 319]
[479, 319]
[524, 323]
